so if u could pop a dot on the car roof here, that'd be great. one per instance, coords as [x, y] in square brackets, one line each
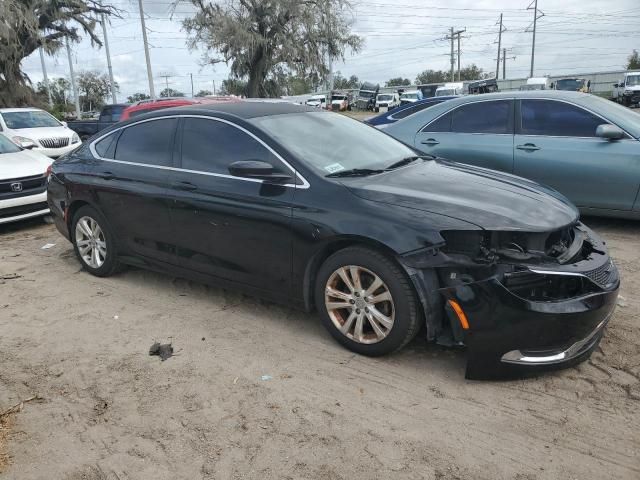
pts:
[246, 109]
[21, 109]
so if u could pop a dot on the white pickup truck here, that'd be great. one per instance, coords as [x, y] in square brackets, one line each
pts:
[627, 90]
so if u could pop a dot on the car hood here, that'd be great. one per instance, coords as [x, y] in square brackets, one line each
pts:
[42, 132]
[633, 88]
[488, 199]
[23, 164]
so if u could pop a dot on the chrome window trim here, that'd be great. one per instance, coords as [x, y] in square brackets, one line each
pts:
[305, 183]
[422, 130]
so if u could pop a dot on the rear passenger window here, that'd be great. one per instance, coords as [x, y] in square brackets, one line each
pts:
[103, 146]
[148, 142]
[482, 117]
[211, 146]
[557, 119]
[442, 124]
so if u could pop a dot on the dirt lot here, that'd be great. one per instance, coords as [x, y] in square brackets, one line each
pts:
[110, 411]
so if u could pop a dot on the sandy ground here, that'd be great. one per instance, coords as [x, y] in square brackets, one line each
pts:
[112, 412]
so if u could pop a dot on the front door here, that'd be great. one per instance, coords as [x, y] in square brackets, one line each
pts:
[478, 133]
[232, 228]
[555, 144]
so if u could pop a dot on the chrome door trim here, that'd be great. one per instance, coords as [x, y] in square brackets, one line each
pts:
[305, 183]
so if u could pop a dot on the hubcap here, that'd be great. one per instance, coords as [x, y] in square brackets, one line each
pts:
[359, 304]
[91, 242]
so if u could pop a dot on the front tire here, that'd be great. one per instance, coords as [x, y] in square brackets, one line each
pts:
[366, 301]
[93, 242]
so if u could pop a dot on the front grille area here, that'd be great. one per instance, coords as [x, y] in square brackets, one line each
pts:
[28, 186]
[22, 209]
[603, 275]
[58, 142]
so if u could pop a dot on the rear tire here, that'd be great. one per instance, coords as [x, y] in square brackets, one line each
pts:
[94, 242]
[375, 314]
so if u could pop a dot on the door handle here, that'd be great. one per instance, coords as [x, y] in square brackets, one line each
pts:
[430, 141]
[188, 186]
[529, 147]
[106, 175]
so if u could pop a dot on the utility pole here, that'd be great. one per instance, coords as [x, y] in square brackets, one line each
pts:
[152, 91]
[452, 36]
[166, 77]
[535, 22]
[73, 80]
[46, 78]
[191, 75]
[106, 47]
[458, 57]
[499, 45]
[504, 62]
[214, 87]
[452, 54]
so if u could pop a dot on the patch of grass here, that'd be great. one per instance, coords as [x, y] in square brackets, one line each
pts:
[5, 427]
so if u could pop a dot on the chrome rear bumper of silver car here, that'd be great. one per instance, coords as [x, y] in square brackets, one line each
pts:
[550, 358]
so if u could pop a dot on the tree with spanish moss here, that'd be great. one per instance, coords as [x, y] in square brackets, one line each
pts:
[26, 25]
[259, 39]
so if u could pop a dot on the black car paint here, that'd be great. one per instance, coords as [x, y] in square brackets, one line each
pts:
[269, 240]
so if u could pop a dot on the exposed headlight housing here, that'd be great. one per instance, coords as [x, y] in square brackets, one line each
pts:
[75, 138]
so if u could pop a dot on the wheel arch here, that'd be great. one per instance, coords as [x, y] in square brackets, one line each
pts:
[329, 248]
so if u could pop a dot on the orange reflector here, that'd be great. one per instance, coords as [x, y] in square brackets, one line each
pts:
[460, 313]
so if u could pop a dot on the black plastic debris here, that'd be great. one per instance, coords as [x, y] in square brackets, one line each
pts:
[164, 350]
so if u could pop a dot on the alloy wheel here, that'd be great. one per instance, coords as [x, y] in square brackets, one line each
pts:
[91, 242]
[359, 304]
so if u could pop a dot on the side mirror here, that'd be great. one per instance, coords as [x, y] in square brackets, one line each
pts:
[64, 124]
[610, 132]
[615, 85]
[258, 170]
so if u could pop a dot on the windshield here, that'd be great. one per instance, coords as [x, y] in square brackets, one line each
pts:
[339, 98]
[571, 84]
[384, 98]
[410, 96]
[338, 143]
[365, 94]
[633, 80]
[29, 119]
[7, 146]
[445, 93]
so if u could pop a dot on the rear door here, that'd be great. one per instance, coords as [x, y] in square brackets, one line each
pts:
[556, 144]
[130, 182]
[479, 133]
[232, 228]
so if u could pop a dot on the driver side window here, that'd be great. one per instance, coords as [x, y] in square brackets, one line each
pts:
[211, 146]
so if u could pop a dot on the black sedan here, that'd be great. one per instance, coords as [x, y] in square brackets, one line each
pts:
[320, 211]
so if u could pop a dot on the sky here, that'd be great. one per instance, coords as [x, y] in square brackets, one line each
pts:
[401, 38]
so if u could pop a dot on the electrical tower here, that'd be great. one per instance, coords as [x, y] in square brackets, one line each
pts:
[452, 36]
[537, 14]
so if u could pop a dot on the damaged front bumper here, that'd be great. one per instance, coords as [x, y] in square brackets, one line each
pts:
[522, 317]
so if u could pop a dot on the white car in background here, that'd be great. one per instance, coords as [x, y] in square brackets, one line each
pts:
[410, 96]
[318, 101]
[23, 182]
[387, 101]
[37, 130]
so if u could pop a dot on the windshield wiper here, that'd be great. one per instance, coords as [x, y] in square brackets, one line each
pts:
[355, 172]
[405, 161]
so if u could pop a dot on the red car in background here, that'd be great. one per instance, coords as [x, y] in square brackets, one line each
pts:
[146, 106]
